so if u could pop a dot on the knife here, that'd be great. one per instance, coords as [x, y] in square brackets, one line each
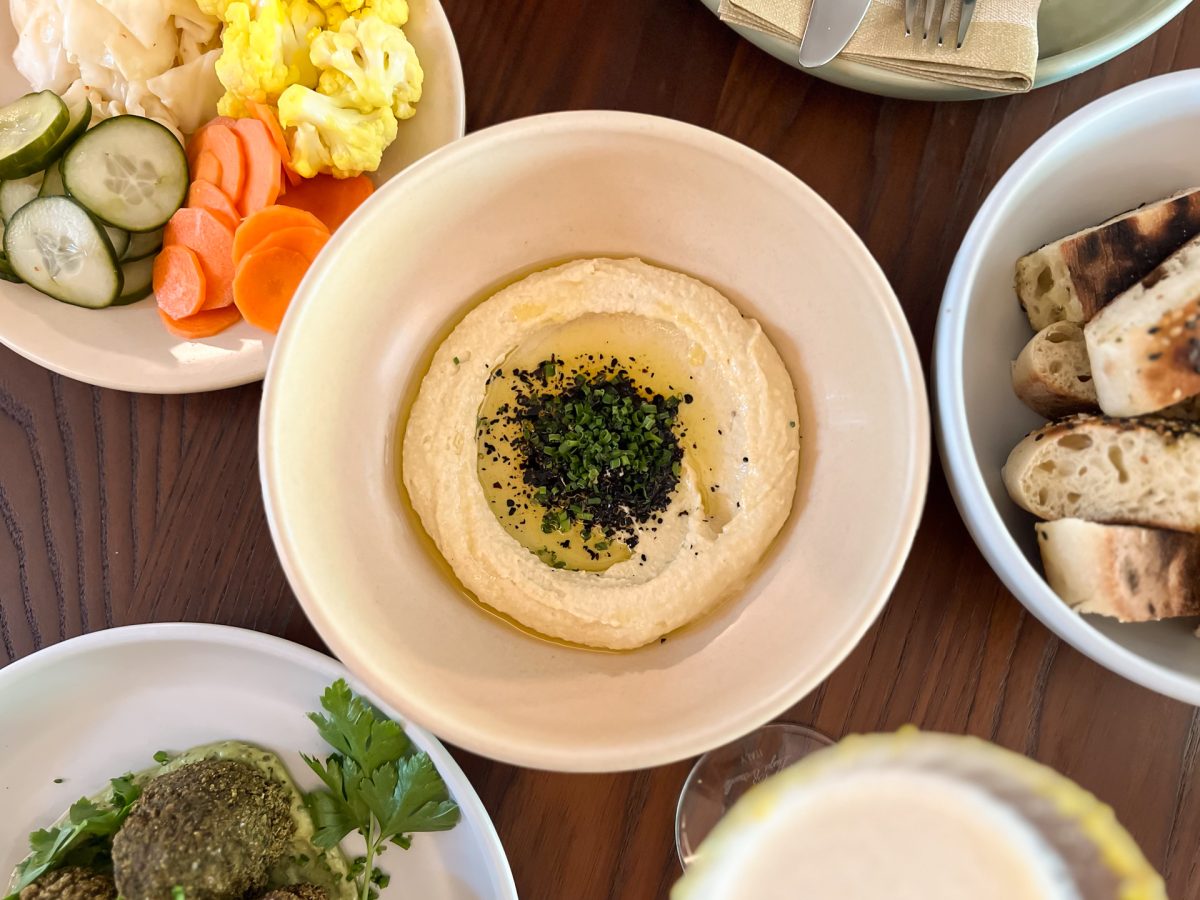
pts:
[830, 26]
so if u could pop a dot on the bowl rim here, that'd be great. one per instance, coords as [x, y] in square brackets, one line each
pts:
[963, 472]
[511, 747]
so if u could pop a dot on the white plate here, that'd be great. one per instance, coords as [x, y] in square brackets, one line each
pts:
[1074, 36]
[128, 348]
[97, 706]
[1131, 147]
[539, 190]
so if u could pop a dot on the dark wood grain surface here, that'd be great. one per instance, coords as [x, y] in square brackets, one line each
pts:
[111, 513]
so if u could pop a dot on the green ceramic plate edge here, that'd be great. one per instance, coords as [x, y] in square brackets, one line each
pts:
[1050, 69]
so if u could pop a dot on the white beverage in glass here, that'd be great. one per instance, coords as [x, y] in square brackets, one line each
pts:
[914, 816]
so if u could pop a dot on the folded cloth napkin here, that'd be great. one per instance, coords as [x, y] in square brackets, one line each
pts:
[1000, 53]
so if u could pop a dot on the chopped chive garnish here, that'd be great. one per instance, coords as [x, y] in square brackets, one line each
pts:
[599, 451]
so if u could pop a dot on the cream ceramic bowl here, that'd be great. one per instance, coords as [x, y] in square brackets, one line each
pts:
[1131, 147]
[127, 347]
[410, 264]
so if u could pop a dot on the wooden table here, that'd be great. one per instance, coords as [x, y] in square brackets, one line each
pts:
[112, 515]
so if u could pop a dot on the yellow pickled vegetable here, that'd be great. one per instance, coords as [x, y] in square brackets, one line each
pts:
[326, 137]
[367, 63]
[340, 72]
[264, 49]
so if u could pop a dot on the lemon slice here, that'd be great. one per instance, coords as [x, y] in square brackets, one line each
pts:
[914, 815]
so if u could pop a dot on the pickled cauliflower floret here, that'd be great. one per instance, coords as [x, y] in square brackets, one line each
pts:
[368, 63]
[326, 136]
[265, 48]
[345, 66]
[394, 12]
[213, 7]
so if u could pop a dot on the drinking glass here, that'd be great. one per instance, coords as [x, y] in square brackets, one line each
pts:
[721, 776]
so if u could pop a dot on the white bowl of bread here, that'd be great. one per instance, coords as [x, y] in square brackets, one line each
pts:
[1067, 367]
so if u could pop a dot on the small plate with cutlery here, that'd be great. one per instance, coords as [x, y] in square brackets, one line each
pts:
[1072, 36]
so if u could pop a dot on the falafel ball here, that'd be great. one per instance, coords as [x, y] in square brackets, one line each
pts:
[74, 883]
[302, 891]
[212, 828]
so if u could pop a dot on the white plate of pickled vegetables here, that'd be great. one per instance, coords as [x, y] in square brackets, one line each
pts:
[169, 171]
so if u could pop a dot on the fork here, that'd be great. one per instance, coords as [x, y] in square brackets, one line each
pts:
[966, 11]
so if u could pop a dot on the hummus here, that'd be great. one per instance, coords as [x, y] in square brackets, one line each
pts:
[568, 346]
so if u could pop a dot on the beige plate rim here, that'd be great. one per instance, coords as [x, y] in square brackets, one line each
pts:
[1050, 69]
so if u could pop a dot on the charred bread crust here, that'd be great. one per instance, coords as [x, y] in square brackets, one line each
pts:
[1110, 260]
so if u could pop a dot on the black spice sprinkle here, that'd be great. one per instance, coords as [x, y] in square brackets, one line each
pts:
[594, 450]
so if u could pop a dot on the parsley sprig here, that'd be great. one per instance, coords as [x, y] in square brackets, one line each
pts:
[84, 839]
[376, 783]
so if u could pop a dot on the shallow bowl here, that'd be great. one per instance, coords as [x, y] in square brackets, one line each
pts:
[410, 264]
[1131, 147]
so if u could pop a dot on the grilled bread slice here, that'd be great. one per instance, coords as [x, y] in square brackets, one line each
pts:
[1129, 573]
[1145, 346]
[1128, 472]
[1074, 278]
[1053, 376]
